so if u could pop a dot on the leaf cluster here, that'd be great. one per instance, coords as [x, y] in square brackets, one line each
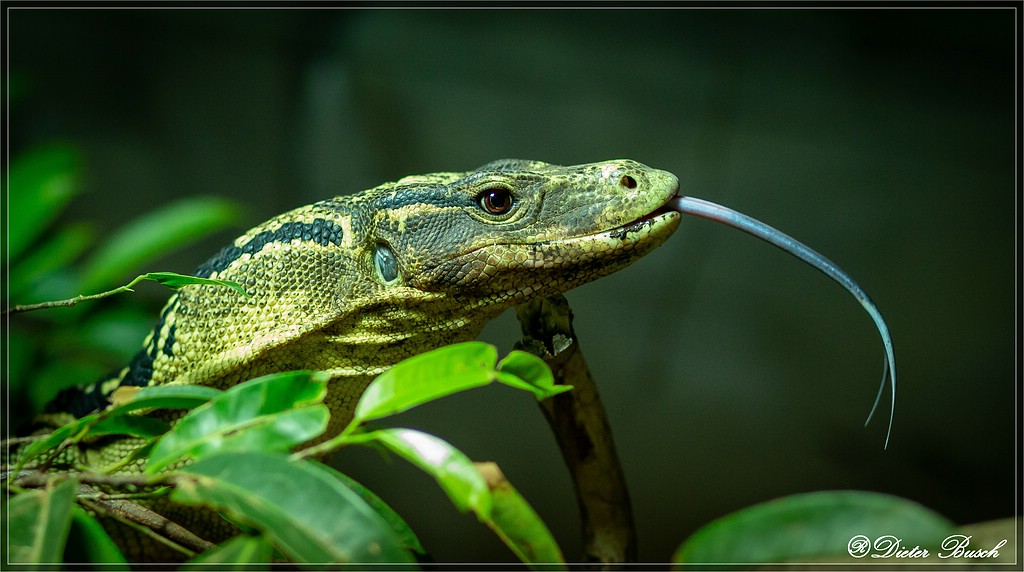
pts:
[233, 453]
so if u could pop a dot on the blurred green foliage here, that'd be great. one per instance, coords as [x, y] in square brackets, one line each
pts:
[50, 350]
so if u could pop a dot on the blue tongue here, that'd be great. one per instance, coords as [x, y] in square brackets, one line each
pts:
[729, 217]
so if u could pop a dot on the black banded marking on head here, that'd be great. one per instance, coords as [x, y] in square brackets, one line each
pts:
[422, 195]
[320, 231]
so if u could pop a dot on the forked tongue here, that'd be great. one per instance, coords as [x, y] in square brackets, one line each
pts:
[729, 217]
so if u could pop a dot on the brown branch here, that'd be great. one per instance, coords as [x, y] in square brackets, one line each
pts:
[39, 479]
[153, 525]
[584, 436]
[148, 522]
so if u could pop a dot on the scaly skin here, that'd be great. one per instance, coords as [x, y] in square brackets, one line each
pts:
[319, 300]
[354, 284]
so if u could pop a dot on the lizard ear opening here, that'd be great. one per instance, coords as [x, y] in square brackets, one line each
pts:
[386, 264]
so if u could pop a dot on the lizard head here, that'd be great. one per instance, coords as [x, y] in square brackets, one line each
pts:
[514, 229]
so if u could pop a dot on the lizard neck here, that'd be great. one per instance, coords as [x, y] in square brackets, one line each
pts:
[380, 334]
[365, 343]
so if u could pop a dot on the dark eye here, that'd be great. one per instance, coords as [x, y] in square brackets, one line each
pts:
[496, 200]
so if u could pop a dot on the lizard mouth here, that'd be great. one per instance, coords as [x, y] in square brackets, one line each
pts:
[660, 214]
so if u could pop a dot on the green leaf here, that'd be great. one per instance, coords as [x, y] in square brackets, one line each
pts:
[156, 233]
[55, 438]
[56, 252]
[88, 542]
[516, 523]
[270, 413]
[175, 281]
[42, 182]
[452, 469]
[403, 533]
[239, 553]
[169, 397]
[496, 503]
[38, 523]
[813, 526]
[526, 371]
[306, 512]
[133, 425]
[426, 377]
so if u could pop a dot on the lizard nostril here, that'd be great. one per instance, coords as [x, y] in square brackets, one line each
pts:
[628, 182]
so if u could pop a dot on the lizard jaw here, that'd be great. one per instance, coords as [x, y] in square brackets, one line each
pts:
[659, 215]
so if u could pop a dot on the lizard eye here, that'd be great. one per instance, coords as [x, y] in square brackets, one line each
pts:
[496, 200]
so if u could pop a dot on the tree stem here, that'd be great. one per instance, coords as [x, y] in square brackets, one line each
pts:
[583, 433]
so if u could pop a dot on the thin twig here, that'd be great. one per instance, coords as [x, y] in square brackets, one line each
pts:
[72, 301]
[169, 279]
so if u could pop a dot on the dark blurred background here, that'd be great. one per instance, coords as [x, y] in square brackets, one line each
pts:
[732, 373]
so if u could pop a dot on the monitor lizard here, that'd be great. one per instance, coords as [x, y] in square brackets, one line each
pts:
[354, 284]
